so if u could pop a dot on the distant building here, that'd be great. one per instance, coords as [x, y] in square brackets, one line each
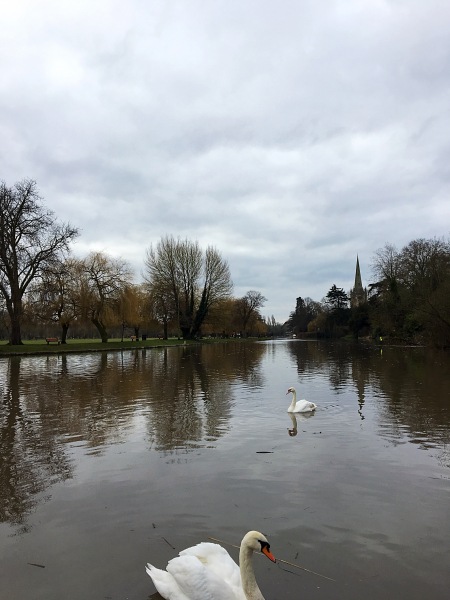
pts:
[358, 295]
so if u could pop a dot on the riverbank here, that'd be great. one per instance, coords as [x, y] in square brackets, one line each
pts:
[30, 347]
[91, 345]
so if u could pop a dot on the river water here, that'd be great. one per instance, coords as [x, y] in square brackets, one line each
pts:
[111, 460]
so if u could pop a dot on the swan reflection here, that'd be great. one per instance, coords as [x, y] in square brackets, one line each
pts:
[296, 418]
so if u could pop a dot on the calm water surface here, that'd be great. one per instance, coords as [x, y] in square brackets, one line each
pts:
[114, 459]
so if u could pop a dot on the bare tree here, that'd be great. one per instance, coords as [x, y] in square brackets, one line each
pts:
[162, 308]
[247, 307]
[131, 305]
[192, 281]
[411, 300]
[30, 240]
[102, 279]
[424, 264]
[386, 263]
[55, 296]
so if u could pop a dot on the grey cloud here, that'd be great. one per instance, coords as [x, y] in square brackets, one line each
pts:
[290, 136]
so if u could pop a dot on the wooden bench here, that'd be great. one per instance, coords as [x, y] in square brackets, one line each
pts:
[50, 340]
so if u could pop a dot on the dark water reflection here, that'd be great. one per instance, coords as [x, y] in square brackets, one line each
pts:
[94, 399]
[109, 460]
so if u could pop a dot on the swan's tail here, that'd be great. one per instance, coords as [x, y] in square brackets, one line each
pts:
[163, 581]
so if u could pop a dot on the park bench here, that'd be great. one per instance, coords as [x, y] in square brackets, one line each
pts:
[52, 339]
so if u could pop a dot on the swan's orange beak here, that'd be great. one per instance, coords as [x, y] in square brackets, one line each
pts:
[269, 554]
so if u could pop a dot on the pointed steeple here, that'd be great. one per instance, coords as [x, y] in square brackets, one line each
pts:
[358, 294]
[358, 282]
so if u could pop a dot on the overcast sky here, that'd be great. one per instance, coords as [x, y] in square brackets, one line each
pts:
[292, 135]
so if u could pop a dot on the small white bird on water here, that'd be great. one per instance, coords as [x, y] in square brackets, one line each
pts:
[207, 572]
[299, 406]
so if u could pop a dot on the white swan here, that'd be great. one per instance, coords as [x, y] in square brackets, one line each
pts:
[300, 405]
[207, 572]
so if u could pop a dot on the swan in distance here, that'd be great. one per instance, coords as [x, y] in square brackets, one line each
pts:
[298, 406]
[207, 572]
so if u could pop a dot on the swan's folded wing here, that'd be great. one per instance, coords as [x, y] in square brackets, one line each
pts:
[304, 406]
[216, 559]
[165, 583]
[198, 582]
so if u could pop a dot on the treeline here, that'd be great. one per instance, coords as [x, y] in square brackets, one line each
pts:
[409, 300]
[45, 291]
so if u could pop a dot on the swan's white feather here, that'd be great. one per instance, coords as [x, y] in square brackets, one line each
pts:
[165, 583]
[304, 406]
[203, 572]
[299, 406]
[207, 572]
[217, 559]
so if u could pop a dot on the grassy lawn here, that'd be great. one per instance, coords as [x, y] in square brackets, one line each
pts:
[91, 345]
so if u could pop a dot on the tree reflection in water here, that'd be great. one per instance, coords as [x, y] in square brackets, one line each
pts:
[32, 456]
[185, 394]
[187, 441]
[407, 410]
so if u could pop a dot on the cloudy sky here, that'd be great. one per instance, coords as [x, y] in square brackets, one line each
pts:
[292, 135]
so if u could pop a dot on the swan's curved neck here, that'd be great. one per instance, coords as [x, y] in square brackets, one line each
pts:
[294, 399]
[249, 585]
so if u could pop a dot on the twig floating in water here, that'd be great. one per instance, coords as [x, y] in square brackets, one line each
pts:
[167, 542]
[279, 560]
[37, 565]
[305, 569]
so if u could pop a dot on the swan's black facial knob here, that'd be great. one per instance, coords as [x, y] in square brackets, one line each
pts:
[265, 549]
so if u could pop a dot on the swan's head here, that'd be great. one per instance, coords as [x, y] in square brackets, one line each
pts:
[258, 542]
[291, 390]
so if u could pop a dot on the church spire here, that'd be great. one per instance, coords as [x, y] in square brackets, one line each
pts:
[358, 282]
[358, 294]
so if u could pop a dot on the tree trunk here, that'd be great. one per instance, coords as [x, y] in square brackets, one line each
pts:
[200, 315]
[64, 330]
[101, 329]
[185, 332]
[15, 338]
[14, 307]
[185, 327]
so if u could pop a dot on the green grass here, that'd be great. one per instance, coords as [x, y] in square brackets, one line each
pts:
[91, 345]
